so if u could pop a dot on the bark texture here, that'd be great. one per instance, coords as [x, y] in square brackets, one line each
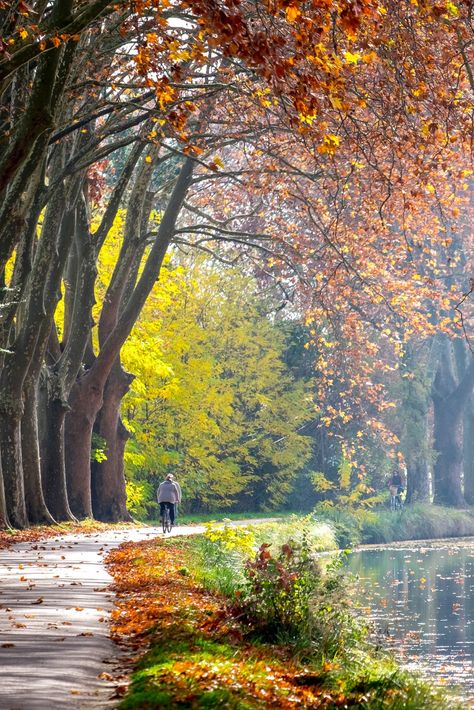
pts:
[451, 393]
[109, 500]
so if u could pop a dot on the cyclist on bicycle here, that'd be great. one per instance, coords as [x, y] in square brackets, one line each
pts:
[169, 495]
[396, 485]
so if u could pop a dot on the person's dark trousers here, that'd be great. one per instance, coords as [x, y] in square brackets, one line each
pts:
[171, 508]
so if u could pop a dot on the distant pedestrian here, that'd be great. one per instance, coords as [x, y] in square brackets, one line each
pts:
[169, 495]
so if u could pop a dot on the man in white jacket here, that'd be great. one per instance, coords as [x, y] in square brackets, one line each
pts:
[169, 495]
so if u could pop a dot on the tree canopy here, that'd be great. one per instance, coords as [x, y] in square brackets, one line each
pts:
[318, 150]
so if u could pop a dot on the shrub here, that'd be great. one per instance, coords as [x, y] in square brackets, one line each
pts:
[219, 557]
[316, 534]
[139, 494]
[347, 525]
[277, 600]
[292, 598]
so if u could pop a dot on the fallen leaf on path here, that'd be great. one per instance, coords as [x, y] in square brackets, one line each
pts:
[105, 676]
[7, 645]
[40, 600]
[120, 691]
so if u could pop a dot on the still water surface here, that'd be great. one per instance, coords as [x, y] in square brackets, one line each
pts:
[421, 598]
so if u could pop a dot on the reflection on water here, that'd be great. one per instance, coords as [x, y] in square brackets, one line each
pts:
[422, 600]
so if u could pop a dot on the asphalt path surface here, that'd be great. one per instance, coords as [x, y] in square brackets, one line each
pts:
[55, 604]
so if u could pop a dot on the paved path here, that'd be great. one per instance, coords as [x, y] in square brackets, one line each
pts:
[55, 650]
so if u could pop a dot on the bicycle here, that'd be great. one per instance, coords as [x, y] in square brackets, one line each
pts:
[166, 520]
[396, 502]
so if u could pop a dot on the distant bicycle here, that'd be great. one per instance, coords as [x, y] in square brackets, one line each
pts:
[166, 521]
[396, 502]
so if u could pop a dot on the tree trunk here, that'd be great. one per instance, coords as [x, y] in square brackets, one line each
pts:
[418, 481]
[35, 503]
[469, 453]
[4, 520]
[108, 476]
[10, 438]
[85, 402]
[87, 393]
[53, 470]
[450, 396]
[414, 433]
[448, 465]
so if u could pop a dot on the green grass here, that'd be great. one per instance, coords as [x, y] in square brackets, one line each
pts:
[172, 674]
[219, 555]
[380, 526]
[354, 527]
[189, 518]
[418, 522]
[318, 535]
[187, 667]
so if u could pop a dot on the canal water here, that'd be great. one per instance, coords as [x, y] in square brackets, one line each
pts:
[421, 598]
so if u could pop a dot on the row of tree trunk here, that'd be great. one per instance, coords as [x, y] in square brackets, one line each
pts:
[439, 434]
[53, 395]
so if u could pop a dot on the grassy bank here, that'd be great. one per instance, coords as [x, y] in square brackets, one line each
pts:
[379, 526]
[201, 518]
[214, 630]
[417, 522]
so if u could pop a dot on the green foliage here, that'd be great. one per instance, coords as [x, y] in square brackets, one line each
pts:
[280, 589]
[98, 448]
[300, 530]
[213, 401]
[350, 492]
[139, 498]
[347, 526]
[219, 557]
[292, 598]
